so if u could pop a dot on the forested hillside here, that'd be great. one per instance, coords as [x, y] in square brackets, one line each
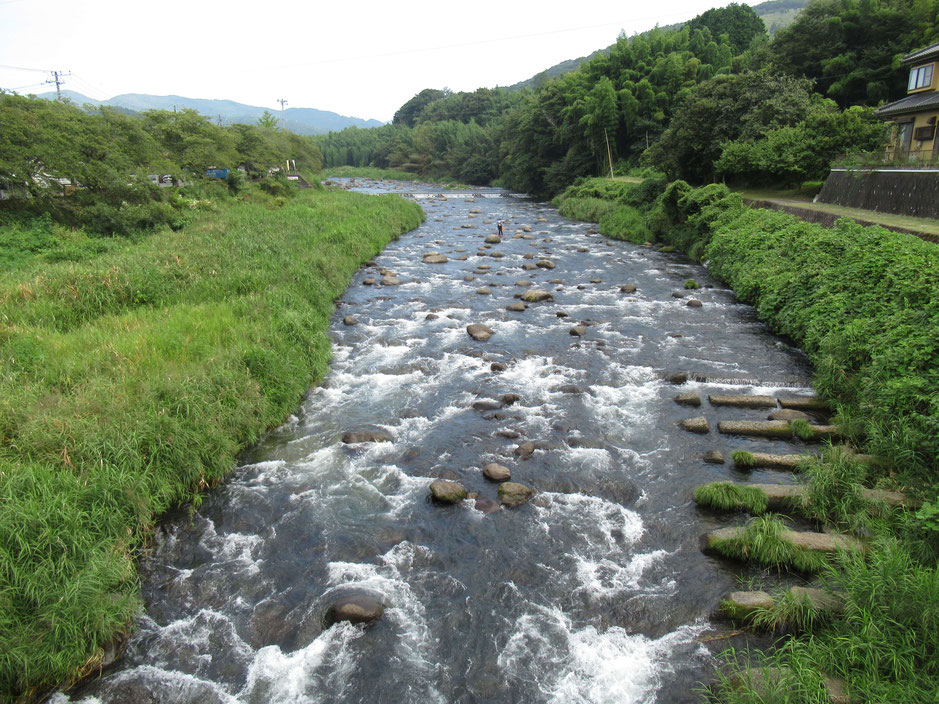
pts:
[734, 103]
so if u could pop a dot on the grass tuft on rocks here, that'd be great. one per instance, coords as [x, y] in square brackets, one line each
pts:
[742, 458]
[727, 496]
[761, 543]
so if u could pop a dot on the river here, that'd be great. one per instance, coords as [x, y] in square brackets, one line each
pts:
[595, 591]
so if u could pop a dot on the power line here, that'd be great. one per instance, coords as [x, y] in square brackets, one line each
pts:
[20, 68]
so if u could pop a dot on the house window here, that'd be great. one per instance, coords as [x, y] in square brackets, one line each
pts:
[920, 77]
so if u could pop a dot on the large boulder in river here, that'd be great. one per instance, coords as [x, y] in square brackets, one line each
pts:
[389, 280]
[359, 609]
[357, 436]
[493, 239]
[514, 494]
[479, 332]
[536, 295]
[445, 491]
[435, 258]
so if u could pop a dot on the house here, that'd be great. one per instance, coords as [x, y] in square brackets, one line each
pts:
[913, 118]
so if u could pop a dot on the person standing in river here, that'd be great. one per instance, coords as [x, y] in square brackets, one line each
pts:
[499, 227]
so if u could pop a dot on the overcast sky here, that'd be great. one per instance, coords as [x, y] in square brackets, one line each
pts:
[358, 58]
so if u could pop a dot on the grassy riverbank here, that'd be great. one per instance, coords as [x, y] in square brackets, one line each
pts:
[130, 376]
[862, 302]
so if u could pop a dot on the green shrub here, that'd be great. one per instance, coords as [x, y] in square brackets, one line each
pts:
[691, 284]
[742, 458]
[625, 223]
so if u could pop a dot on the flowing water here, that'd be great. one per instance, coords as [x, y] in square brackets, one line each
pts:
[595, 591]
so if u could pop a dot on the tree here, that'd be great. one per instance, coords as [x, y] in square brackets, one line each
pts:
[739, 22]
[268, 121]
[723, 109]
[409, 113]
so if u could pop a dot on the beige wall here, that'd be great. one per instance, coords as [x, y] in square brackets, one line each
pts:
[918, 149]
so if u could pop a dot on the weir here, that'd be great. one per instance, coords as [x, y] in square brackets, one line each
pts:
[592, 590]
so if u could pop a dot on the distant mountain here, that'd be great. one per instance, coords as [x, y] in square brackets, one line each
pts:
[775, 14]
[298, 120]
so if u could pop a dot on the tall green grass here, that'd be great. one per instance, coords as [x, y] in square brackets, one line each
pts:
[129, 381]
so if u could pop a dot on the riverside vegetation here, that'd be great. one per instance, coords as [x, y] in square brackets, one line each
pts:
[863, 303]
[135, 367]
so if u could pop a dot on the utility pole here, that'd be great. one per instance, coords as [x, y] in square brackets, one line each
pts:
[282, 102]
[57, 79]
[219, 120]
[609, 154]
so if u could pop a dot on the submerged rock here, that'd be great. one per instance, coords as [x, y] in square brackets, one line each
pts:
[358, 609]
[628, 288]
[357, 436]
[487, 505]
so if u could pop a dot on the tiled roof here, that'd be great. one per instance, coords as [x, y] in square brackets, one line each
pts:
[924, 54]
[911, 103]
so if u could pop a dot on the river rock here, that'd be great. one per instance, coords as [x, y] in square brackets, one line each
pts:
[389, 280]
[714, 457]
[757, 428]
[571, 389]
[368, 282]
[484, 291]
[676, 377]
[498, 367]
[523, 283]
[628, 288]
[698, 425]
[545, 264]
[492, 239]
[484, 266]
[578, 331]
[803, 403]
[350, 320]
[788, 414]
[525, 450]
[358, 436]
[535, 295]
[509, 399]
[742, 400]
[485, 406]
[469, 277]
[528, 255]
[358, 609]
[445, 491]
[431, 316]
[479, 332]
[526, 228]
[677, 294]
[516, 307]
[689, 399]
[514, 494]
[487, 505]
[740, 605]
[694, 303]
[496, 472]
[528, 266]
[435, 258]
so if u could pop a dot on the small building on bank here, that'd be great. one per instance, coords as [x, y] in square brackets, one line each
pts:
[913, 118]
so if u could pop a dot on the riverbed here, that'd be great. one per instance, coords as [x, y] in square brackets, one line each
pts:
[594, 591]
